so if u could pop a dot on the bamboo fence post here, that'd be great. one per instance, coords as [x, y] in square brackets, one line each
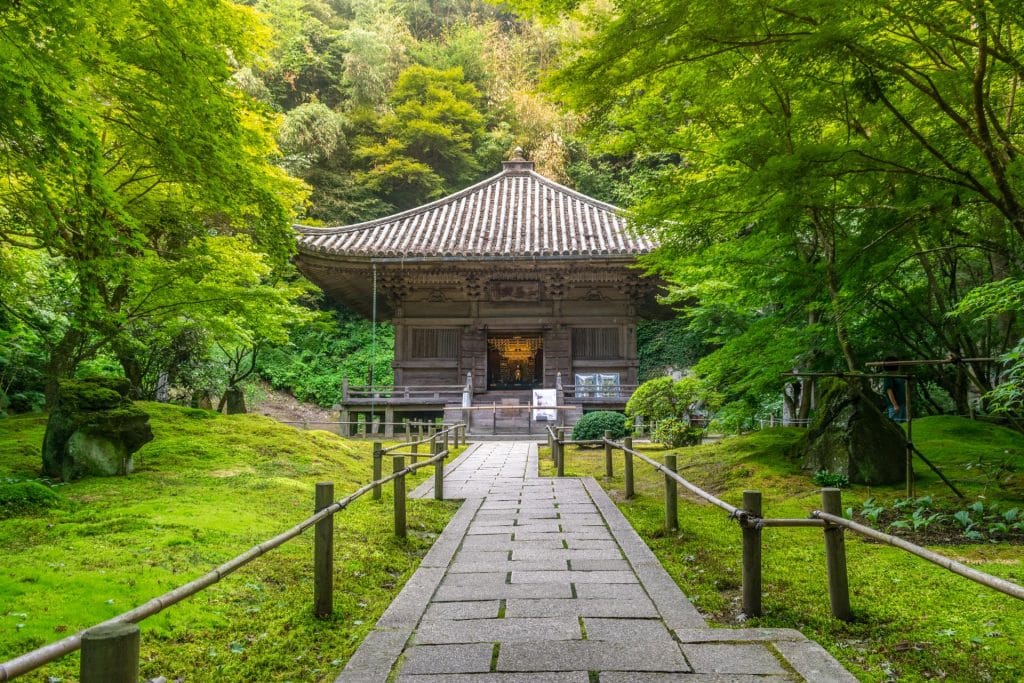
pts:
[628, 443]
[446, 440]
[551, 445]
[378, 467]
[671, 499]
[439, 471]
[110, 654]
[560, 460]
[455, 437]
[752, 556]
[397, 465]
[835, 556]
[608, 454]
[323, 554]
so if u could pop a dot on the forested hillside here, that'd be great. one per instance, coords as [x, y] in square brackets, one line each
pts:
[830, 185]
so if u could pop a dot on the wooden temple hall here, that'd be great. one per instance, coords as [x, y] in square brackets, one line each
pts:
[513, 285]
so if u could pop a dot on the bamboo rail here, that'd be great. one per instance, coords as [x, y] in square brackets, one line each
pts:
[751, 522]
[44, 655]
[994, 582]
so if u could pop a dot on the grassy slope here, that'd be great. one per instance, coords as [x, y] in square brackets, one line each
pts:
[913, 621]
[207, 488]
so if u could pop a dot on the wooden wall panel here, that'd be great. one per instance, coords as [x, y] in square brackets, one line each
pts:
[557, 356]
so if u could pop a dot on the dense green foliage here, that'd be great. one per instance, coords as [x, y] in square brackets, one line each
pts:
[904, 626]
[321, 353]
[594, 425]
[138, 183]
[827, 182]
[206, 489]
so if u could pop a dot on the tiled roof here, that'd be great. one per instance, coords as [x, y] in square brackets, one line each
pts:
[517, 213]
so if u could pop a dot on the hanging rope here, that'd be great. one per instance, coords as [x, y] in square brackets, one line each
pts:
[373, 347]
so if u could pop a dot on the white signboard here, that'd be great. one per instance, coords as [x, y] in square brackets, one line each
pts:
[545, 397]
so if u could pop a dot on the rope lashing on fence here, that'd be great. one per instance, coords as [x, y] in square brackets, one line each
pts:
[1001, 585]
[48, 653]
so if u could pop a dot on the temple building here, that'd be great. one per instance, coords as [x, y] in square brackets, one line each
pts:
[514, 284]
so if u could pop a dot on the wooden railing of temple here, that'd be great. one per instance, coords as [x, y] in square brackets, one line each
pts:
[440, 393]
[454, 393]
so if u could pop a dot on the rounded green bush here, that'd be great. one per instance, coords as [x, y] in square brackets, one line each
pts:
[594, 425]
[676, 433]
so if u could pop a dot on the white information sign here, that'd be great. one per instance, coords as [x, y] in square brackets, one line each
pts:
[545, 397]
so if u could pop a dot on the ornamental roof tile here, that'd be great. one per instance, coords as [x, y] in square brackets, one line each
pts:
[515, 214]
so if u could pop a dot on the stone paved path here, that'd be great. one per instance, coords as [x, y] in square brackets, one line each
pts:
[543, 580]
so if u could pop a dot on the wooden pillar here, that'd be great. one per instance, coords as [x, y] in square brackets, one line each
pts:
[560, 460]
[389, 422]
[608, 454]
[752, 557]
[835, 557]
[110, 654]
[323, 554]
[671, 497]
[397, 465]
[439, 469]
[378, 467]
[628, 465]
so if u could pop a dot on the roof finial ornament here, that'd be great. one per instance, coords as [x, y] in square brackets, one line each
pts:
[518, 163]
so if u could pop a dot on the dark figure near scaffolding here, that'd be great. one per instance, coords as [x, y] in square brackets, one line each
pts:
[894, 389]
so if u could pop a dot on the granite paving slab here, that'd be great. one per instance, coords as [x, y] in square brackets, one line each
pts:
[542, 580]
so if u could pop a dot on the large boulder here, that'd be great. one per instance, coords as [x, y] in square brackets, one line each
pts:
[850, 435]
[93, 430]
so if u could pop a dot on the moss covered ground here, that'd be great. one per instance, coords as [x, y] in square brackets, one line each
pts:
[913, 620]
[206, 489]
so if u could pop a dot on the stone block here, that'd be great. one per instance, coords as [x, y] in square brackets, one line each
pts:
[732, 658]
[448, 659]
[592, 655]
[499, 630]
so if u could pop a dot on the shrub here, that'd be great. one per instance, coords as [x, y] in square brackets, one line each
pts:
[827, 479]
[594, 425]
[664, 398]
[21, 498]
[675, 433]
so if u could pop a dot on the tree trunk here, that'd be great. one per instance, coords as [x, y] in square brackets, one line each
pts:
[62, 362]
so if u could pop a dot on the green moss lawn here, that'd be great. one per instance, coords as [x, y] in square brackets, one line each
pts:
[913, 621]
[206, 489]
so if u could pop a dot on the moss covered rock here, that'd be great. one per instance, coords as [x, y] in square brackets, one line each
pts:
[851, 436]
[93, 430]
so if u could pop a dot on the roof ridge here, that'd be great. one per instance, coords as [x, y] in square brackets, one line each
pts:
[452, 198]
[390, 218]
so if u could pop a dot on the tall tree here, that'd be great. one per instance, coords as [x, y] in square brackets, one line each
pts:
[852, 166]
[122, 137]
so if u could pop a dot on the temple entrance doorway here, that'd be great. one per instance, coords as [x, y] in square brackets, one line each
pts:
[515, 361]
